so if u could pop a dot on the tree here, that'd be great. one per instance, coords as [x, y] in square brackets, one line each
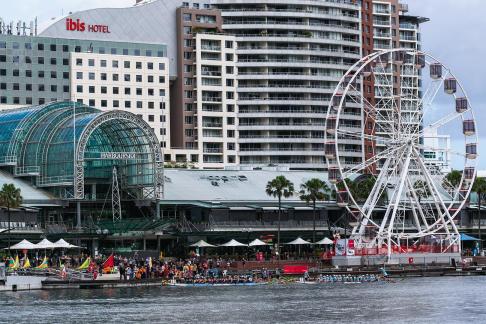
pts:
[10, 198]
[311, 191]
[479, 187]
[278, 188]
[453, 178]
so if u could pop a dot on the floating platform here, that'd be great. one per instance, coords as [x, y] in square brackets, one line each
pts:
[397, 259]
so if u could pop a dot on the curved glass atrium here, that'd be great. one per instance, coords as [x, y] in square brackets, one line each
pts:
[42, 143]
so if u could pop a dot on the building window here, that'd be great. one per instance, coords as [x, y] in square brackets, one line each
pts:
[65, 88]
[138, 78]
[53, 61]
[104, 90]
[151, 118]
[65, 75]
[125, 51]
[15, 73]
[40, 60]
[229, 44]
[126, 77]
[150, 92]
[128, 104]
[114, 64]
[115, 77]
[161, 79]
[150, 65]
[139, 105]
[187, 17]
[40, 47]
[53, 88]
[113, 51]
[127, 91]
[104, 103]
[150, 79]
[229, 70]
[16, 86]
[139, 91]
[116, 90]
[79, 75]
[116, 104]
[77, 49]
[28, 101]
[92, 103]
[79, 62]
[148, 53]
[188, 107]
[102, 50]
[162, 92]
[230, 95]
[28, 73]
[65, 61]
[28, 60]
[42, 101]
[53, 47]
[53, 75]
[79, 89]
[65, 48]
[136, 52]
[103, 77]
[151, 105]
[161, 66]
[138, 65]
[40, 74]
[91, 89]
[91, 62]
[28, 87]
[41, 87]
[103, 63]
[126, 64]
[91, 76]
[188, 120]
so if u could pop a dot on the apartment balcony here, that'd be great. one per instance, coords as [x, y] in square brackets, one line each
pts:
[408, 26]
[280, 139]
[211, 73]
[212, 99]
[296, 39]
[349, 29]
[315, 127]
[295, 12]
[213, 150]
[380, 22]
[212, 125]
[211, 48]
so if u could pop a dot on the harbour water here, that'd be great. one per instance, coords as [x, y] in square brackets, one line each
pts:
[413, 300]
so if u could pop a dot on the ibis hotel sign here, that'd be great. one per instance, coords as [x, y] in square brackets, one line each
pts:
[80, 26]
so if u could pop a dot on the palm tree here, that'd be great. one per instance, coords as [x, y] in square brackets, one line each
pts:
[278, 188]
[311, 191]
[479, 187]
[10, 198]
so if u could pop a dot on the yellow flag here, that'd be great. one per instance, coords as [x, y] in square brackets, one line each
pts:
[26, 263]
[16, 263]
[44, 264]
[85, 264]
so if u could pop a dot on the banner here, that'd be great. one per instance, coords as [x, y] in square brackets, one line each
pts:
[344, 247]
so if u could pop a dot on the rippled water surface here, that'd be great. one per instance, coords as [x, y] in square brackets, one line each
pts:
[418, 300]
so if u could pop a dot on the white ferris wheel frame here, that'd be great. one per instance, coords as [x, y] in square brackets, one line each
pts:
[444, 224]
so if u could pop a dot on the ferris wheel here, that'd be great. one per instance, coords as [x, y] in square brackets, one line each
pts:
[387, 169]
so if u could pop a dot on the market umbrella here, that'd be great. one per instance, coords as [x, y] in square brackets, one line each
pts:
[324, 241]
[257, 242]
[45, 244]
[233, 243]
[299, 241]
[202, 244]
[22, 245]
[61, 244]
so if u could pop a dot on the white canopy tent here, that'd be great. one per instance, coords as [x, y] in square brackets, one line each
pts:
[257, 242]
[62, 244]
[22, 245]
[232, 243]
[45, 244]
[202, 244]
[298, 241]
[324, 241]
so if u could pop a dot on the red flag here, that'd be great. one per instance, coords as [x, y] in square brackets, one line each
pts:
[109, 263]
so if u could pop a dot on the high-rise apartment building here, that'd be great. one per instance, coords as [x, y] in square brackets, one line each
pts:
[204, 112]
[291, 54]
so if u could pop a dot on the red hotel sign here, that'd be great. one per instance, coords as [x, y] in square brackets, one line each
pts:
[80, 26]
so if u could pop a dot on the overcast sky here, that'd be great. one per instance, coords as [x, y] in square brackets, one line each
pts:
[454, 34]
